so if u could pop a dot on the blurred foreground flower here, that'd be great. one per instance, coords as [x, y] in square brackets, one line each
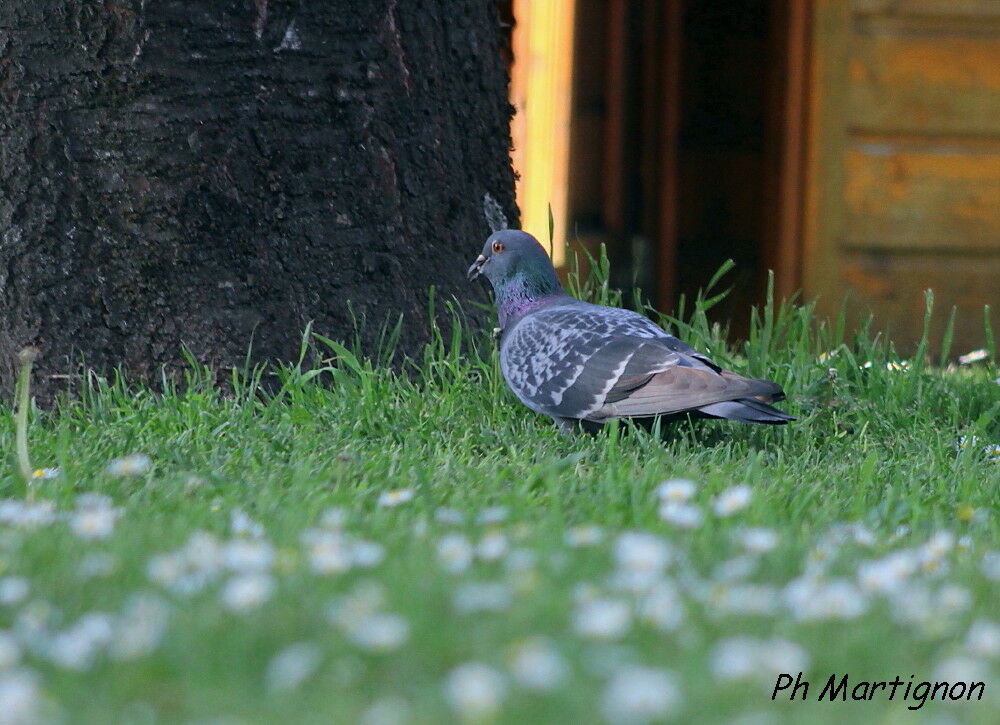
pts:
[292, 666]
[739, 658]
[583, 535]
[676, 490]
[602, 618]
[640, 694]
[246, 591]
[379, 632]
[537, 665]
[732, 500]
[474, 690]
[681, 515]
[135, 464]
[454, 552]
[396, 497]
[94, 517]
[21, 698]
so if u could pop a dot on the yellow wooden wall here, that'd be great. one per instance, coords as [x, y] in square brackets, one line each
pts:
[903, 166]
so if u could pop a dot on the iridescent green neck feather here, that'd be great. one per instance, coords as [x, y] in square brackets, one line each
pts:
[523, 291]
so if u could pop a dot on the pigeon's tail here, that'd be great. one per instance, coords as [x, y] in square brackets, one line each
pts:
[747, 410]
[679, 391]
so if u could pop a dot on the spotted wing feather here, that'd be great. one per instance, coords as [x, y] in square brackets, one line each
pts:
[564, 362]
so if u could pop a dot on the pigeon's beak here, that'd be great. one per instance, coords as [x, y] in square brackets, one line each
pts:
[476, 267]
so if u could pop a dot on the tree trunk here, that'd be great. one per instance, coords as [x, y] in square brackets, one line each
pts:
[207, 173]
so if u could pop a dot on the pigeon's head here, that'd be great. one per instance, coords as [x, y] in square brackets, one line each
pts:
[510, 253]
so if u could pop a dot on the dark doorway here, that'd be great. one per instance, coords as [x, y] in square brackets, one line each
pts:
[721, 163]
[685, 171]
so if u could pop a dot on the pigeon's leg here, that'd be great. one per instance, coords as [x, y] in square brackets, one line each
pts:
[567, 426]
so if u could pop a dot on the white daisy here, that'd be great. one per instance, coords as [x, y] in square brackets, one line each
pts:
[395, 497]
[449, 517]
[292, 666]
[21, 697]
[387, 710]
[135, 464]
[681, 515]
[474, 690]
[333, 518]
[732, 500]
[454, 552]
[808, 598]
[983, 638]
[379, 632]
[640, 694]
[246, 591]
[583, 535]
[140, 627]
[13, 589]
[93, 523]
[492, 516]
[662, 607]
[537, 665]
[758, 540]
[481, 597]
[602, 619]
[248, 555]
[10, 651]
[492, 546]
[240, 524]
[675, 490]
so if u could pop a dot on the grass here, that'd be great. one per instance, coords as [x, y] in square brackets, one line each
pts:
[876, 446]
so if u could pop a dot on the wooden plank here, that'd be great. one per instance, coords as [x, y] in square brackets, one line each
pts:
[904, 128]
[915, 78]
[892, 287]
[978, 9]
[785, 141]
[827, 139]
[923, 195]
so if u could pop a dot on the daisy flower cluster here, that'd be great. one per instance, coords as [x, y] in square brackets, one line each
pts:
[500, 613]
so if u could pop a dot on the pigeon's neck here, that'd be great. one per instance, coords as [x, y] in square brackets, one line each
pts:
[520, 295]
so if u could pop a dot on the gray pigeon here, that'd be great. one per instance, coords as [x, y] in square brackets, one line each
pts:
[577, 362]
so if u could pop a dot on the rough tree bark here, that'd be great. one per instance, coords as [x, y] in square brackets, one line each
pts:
[202, 172]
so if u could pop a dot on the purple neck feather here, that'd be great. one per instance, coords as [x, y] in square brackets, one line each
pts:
[518, 296]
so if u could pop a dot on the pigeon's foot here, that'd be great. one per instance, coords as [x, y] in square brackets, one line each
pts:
[568, 427]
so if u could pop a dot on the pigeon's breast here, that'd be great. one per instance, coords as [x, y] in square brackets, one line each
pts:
[540, 361]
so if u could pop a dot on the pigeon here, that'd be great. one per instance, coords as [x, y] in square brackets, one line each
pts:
[583, 364]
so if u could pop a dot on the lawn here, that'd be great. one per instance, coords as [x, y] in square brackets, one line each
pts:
[351, 544]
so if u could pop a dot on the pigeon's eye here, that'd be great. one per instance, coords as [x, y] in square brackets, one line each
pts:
[497, 247]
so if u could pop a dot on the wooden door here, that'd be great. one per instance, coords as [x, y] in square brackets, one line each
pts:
[903, 161]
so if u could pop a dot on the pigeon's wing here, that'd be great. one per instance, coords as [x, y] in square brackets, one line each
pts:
[565, 362]
[595, 363]
[683, 388]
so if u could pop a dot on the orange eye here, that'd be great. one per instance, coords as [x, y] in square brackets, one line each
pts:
[497, 247]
